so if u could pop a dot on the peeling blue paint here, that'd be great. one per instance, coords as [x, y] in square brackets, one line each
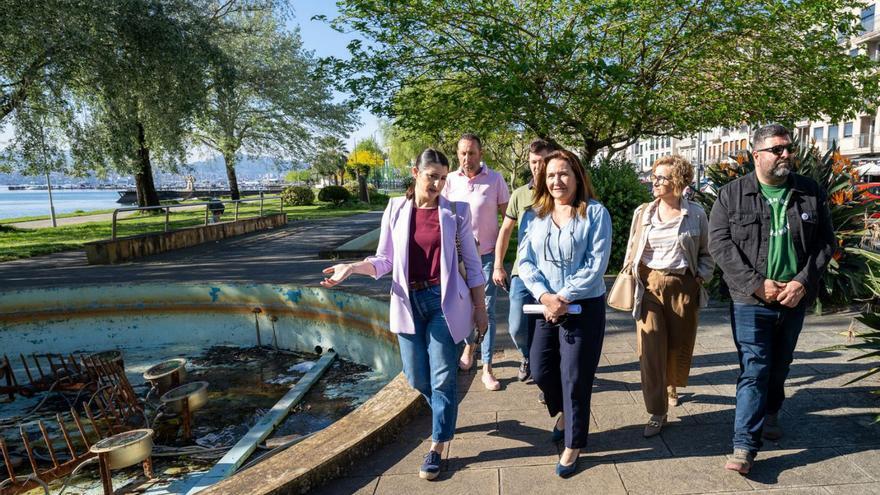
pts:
[340, 301]
[294, 295]
[214, 293]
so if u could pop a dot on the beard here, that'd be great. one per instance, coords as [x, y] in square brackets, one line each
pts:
[781, 168]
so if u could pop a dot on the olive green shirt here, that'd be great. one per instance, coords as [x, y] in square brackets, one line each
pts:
[781, 256]
[520, 201]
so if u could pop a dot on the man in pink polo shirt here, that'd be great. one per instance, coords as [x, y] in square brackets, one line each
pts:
[487, 194]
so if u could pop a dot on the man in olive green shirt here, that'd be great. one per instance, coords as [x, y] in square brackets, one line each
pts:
[520, 326]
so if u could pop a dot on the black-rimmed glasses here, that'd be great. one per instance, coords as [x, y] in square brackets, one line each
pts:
[659, 179]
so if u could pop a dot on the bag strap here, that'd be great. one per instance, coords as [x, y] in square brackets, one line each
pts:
[635, 233]
[458, 220]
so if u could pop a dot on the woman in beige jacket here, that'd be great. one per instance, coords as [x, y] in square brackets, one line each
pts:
[670, 262]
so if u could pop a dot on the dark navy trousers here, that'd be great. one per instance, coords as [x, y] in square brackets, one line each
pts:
[564, 357]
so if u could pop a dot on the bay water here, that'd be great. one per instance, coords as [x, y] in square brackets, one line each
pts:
[15, 204]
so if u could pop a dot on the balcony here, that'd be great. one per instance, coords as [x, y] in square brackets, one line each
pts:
[686, 143]
[856, 144]
[871, 32]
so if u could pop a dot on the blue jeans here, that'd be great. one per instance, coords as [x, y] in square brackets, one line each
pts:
[765, 338]
[520, 325]
[430, 361]
[488, 261]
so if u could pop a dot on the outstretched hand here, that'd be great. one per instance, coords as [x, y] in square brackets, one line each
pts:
[336, 274]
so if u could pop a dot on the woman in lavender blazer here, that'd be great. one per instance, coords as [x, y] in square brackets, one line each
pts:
[433, 308]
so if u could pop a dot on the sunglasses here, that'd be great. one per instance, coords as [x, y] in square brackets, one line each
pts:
[779, 148]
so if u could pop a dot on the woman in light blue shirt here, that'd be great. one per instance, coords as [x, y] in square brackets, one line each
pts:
[564, 253]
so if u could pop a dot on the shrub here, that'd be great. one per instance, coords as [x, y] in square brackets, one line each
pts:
[619, 190]
[298, 196]
[377, 198]
[334, 194]
[853, 273]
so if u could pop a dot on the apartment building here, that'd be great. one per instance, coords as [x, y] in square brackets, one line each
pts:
[701, 148]
[857, 138]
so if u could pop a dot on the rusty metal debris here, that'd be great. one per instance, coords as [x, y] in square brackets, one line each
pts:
[54, 447]
[49, 372]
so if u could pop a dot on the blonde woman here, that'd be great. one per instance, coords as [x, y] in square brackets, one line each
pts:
[671, 261]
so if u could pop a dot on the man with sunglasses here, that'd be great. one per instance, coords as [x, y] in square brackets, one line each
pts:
[770, 232]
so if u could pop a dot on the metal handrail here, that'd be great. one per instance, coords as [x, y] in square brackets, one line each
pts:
[207, 204]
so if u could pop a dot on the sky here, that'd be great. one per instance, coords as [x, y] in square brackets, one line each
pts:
[318, 37]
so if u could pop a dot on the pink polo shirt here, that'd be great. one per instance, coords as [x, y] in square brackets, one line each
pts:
[483, 193]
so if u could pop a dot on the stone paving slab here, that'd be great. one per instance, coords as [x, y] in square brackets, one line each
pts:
[474, 481]
[589, 478]
[498, 451]
[860, 489]
[677, 475]
[804, 467]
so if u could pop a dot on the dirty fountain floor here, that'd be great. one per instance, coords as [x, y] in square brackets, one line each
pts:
[244, 383]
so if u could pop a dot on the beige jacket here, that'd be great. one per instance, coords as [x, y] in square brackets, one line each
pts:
[694, 239]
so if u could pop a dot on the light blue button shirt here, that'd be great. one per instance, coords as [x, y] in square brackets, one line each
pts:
[569, 261]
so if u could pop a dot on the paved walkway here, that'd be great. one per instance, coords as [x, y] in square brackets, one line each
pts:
[502, 444]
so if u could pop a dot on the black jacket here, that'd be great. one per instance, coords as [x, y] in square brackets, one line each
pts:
[739, 233]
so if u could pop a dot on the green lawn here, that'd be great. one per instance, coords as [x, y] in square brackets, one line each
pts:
[78, 213]
[21, 243]
[81, 213]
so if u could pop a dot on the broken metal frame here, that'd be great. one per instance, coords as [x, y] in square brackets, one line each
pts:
[115, 405]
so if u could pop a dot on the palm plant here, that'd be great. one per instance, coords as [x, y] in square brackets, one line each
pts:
[869, 342]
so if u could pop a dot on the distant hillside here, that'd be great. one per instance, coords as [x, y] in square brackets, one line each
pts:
[245, 167]
[211, 170]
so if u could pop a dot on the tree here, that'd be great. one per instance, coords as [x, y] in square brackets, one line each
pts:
[366, 155]
[505, 150]
[265, 95]
[330, 158]
[141, 95]
[42, 46]
[601, 73]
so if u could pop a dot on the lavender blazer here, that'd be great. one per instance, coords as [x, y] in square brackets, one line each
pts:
[392, 256]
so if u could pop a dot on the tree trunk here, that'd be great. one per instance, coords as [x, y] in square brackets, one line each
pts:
[363, 193]
[146, 188]
[590, 152]
[229, 158]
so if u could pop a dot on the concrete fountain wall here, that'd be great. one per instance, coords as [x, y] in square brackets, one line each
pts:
[93, 318]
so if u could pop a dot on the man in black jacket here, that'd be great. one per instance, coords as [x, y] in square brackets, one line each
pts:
[770, 232]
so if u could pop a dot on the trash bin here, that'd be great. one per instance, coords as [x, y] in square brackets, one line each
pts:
[215, 206]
